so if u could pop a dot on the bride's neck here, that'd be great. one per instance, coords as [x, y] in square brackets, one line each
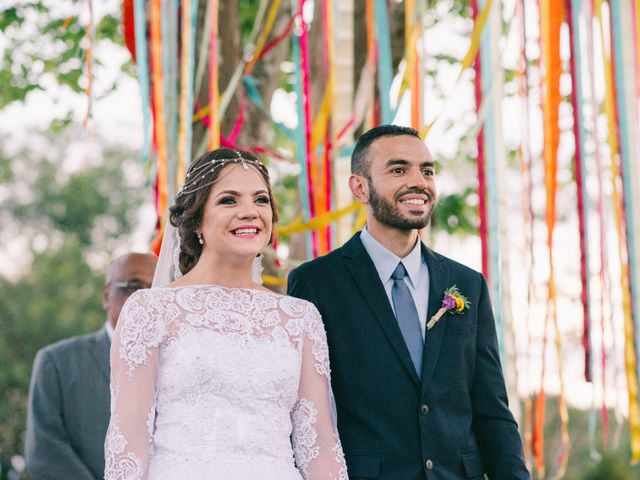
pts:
[226, 272]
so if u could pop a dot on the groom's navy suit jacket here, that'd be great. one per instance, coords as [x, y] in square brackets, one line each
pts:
[454, 422]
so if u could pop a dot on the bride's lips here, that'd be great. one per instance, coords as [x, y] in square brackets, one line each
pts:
[246, 231]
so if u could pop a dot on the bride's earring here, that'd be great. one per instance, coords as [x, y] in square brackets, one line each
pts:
[256, 274]
[200, 239]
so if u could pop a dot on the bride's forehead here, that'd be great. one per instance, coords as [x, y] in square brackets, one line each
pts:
[239, 177]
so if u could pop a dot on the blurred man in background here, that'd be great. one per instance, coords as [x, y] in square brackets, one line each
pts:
[69, 395]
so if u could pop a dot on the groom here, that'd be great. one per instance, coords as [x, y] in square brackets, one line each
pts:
[413, 402]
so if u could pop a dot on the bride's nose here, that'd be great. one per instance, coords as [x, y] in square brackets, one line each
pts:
[248, 210]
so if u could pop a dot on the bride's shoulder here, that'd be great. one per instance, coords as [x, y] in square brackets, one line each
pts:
[299, 306]
[148, 297]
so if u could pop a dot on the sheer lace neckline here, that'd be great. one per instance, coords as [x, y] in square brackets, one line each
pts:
[222, 287]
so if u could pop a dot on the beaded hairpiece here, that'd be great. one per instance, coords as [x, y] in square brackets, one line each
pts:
[199, 173]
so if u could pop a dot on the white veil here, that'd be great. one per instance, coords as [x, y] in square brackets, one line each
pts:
[168, 266]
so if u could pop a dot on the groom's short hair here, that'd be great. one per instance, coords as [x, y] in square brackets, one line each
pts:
[359, 162]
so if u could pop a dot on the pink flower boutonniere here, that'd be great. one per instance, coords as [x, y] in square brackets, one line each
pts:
[453, 302]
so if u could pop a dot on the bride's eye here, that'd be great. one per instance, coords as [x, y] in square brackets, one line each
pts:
[263, 199]
[227, 201]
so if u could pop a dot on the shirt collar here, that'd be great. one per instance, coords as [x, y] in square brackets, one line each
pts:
[386, 262]
[109, 328]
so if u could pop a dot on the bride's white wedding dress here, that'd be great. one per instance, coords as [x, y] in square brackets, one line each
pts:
[210, 382]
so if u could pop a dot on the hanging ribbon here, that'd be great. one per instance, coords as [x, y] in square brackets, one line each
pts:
[306, 118]
[128, 27]
[630, 372]
[229, 91]
[488, 52]
[303, 178]
[258, 52]
[524, 157]
[330, 66]
[636, 43]
[189, 16]
[480, 163]
[214, 127]
[627, 175]
[385, 64]
[577, 101]
[317, 222]
[171, 70]
[142, 64]
[90, 36]
[551, 14]
[413, 80]
[622, 28]
[604, 283]
[159, 124]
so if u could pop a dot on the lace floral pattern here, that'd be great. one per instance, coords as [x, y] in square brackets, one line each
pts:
[206, 379]
[304, 435]
[120, 464]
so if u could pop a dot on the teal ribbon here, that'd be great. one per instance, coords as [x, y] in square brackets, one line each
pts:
[299, 138]
[385, 65]
[489, 132]
[142, 62]
[623, 113]
[250, 83]
[170, 69]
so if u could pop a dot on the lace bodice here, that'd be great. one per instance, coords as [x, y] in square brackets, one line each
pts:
[214, 382]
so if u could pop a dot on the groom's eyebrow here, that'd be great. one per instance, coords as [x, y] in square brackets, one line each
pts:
[402, 162]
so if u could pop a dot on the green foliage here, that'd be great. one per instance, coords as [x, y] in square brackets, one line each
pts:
[611, 468]
[456, 213]
[44, 48]
[247, 10]
[64, 219]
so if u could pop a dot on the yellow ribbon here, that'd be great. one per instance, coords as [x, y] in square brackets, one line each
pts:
[319, 221]
[214, 93]
[274, 281]
[262, 39]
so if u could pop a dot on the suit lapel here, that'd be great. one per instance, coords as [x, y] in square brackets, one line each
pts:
[367, 280]
[101, 350]
[438, 279]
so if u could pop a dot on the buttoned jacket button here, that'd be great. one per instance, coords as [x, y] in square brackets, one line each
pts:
[429, 464]
[424, 409]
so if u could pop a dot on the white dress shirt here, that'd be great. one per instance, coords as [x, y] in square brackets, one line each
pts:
[417, 278]
[109, 329]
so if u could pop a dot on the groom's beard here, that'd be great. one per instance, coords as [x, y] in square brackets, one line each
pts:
[388, 214]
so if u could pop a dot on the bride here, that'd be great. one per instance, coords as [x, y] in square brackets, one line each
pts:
[214, 376]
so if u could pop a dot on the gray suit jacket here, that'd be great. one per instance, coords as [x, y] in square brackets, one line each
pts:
[69, 409]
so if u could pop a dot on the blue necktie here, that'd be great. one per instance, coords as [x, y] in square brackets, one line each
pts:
[407, 316]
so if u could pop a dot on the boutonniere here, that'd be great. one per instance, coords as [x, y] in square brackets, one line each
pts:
[453, 302]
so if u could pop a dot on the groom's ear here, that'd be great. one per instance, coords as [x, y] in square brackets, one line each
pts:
[359, 187]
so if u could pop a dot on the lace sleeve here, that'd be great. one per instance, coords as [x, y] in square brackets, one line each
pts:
[316, 444]
[134, 364]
